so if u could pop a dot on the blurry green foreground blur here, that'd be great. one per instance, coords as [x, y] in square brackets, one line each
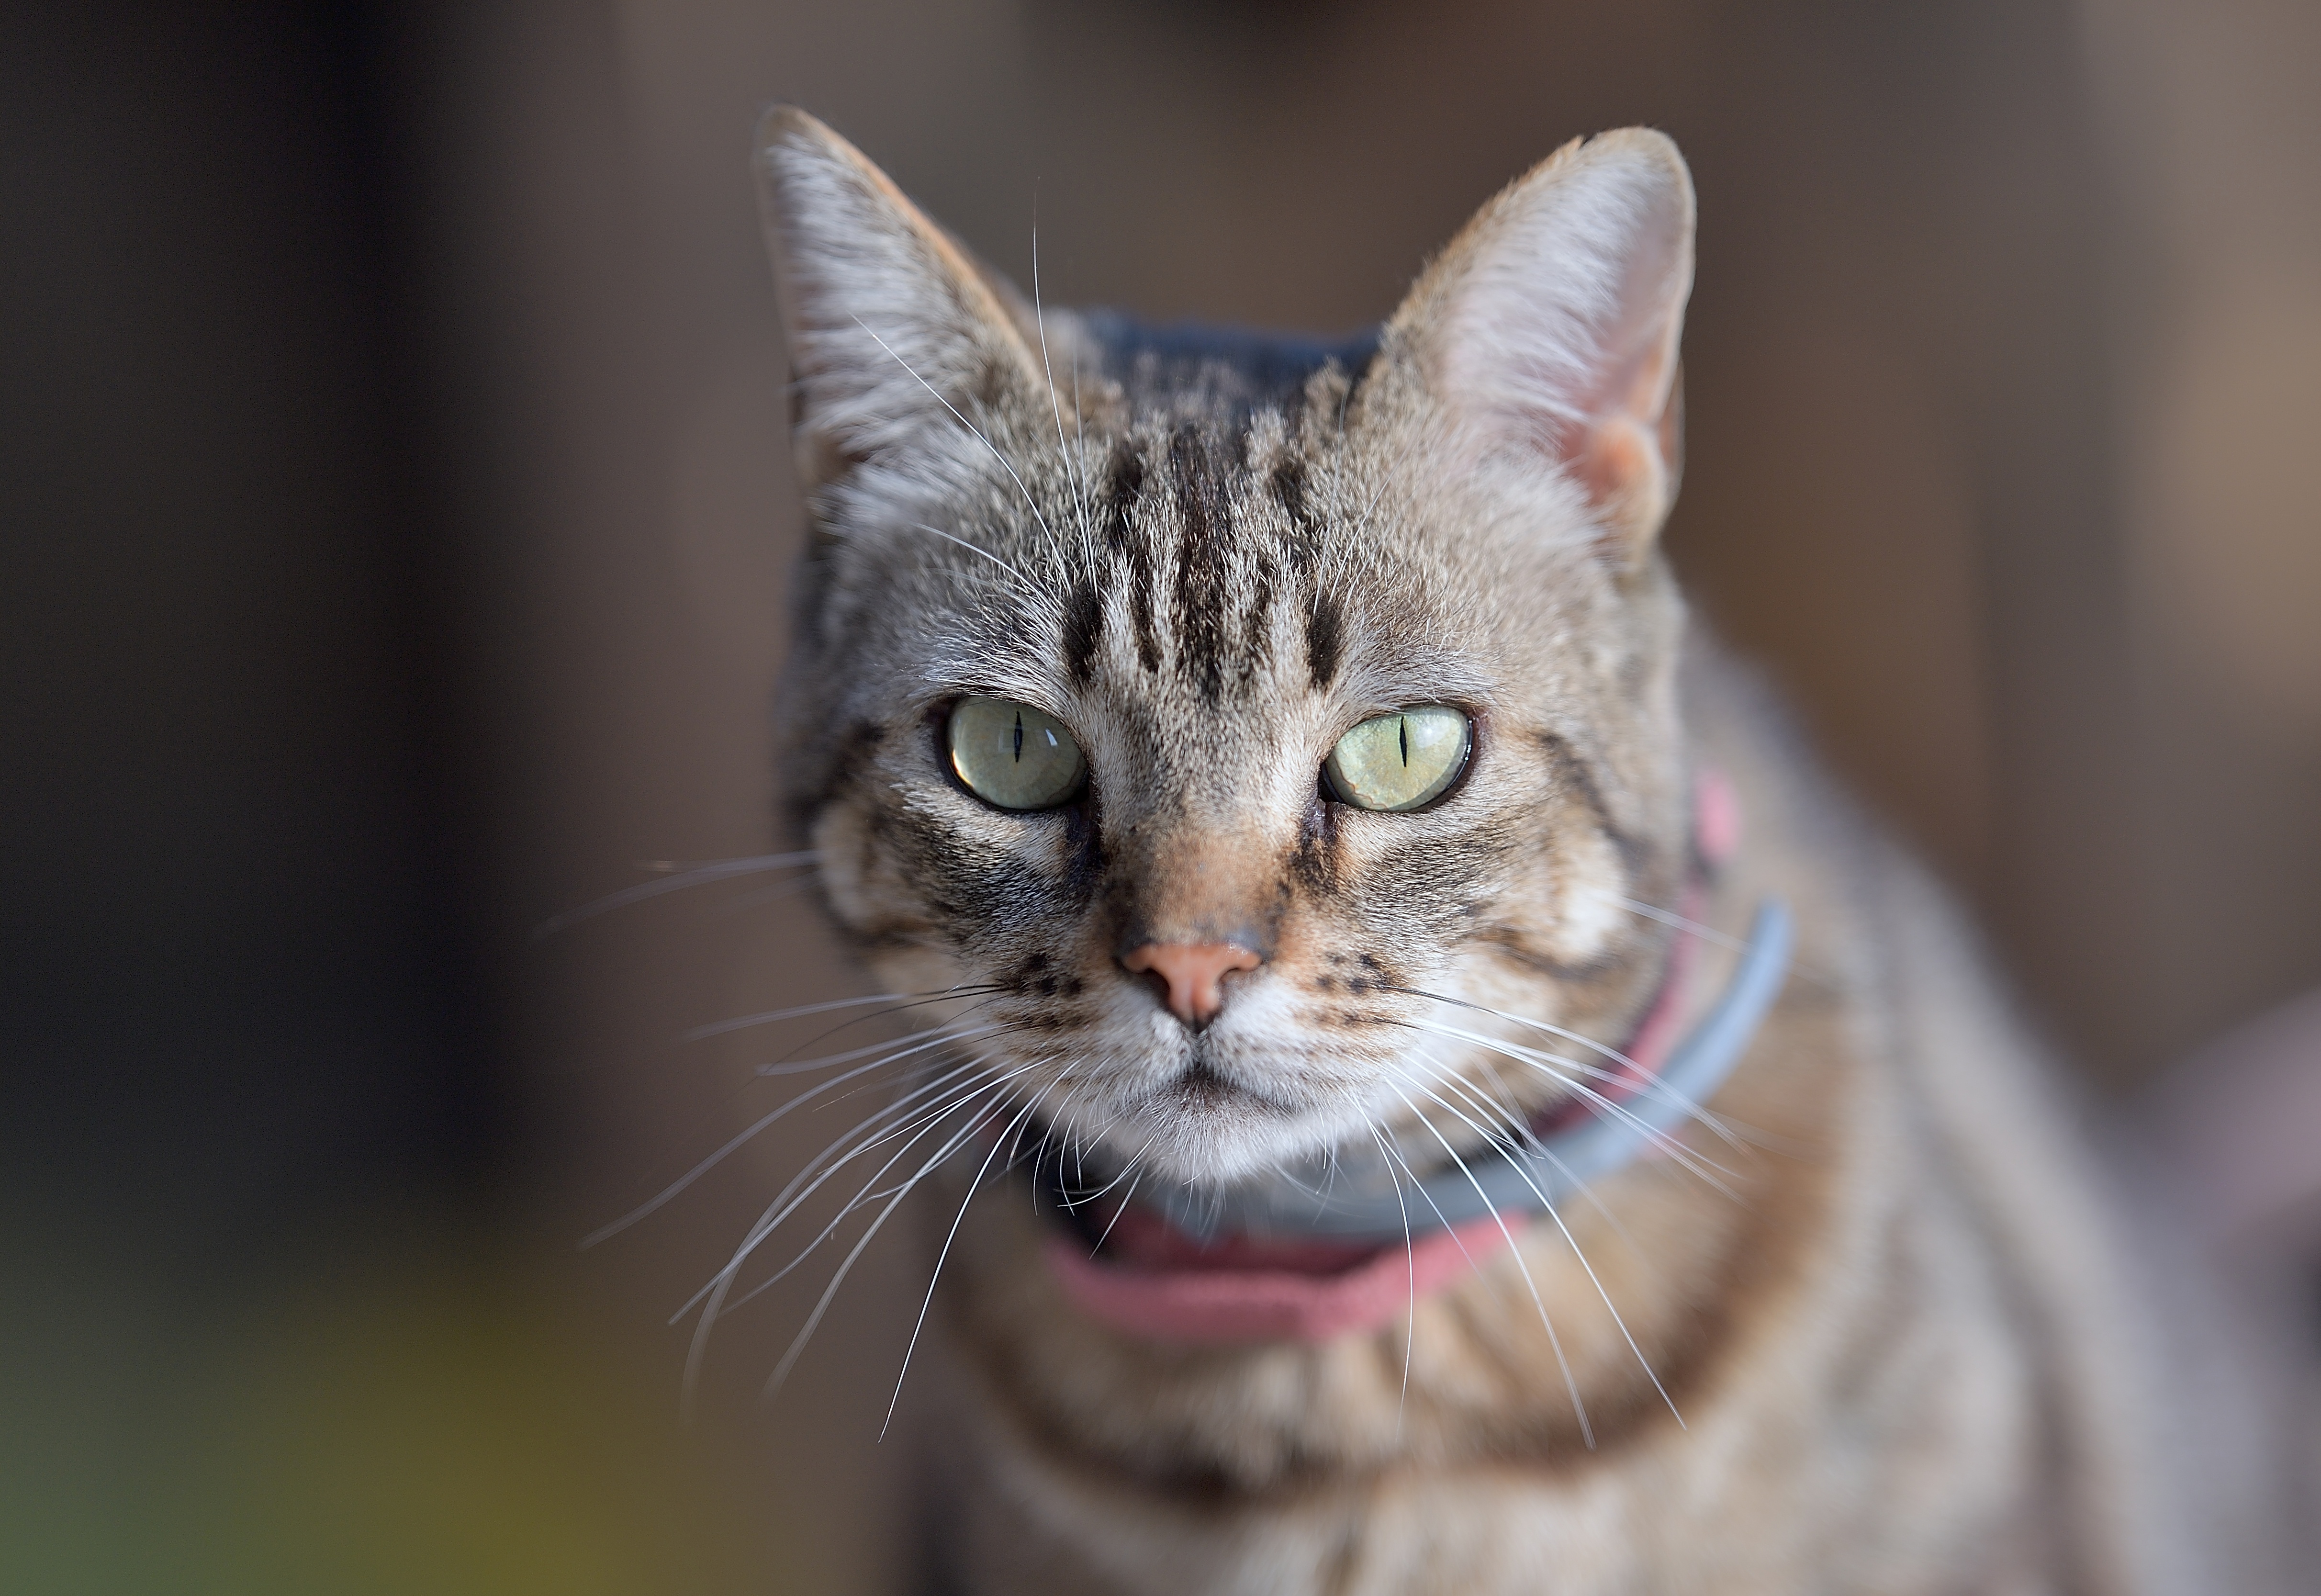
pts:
[404, 1428]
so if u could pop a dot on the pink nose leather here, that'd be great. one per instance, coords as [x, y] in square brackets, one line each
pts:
[1195, 972]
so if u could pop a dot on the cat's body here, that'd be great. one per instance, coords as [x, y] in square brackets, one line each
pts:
[1908, 1358]
[1909, 1344]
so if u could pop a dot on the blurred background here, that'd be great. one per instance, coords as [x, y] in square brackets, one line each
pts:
[397, 513]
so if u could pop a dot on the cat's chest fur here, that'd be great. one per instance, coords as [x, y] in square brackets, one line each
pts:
[1275, 763]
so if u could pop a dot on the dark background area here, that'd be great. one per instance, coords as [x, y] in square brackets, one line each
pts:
[396, 511]
[241, 902]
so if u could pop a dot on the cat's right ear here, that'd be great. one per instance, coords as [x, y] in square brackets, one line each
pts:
[894, 335]
[1547, 331]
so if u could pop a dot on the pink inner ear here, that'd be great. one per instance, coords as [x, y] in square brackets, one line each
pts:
[1562, 329]
[1614, 457]
[1625, 451]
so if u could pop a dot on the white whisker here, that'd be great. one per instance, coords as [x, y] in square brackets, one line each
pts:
[1675, 921]
[814, 1320]
[710, 1162]
[1441, 1220]
[720, 871]
[1072, 472]
[1078, 1199]
[741, 903]
[786, 1065]
[1129, 1197]
[1080, 424]
[808, 1066]
[920, 1325]
[791, 1198]
[927, 1122]
[1385, 481]
[1548, 1204]
[710, 1311]
[1567, 1072]
[1021, 581]
[1004, 464]
[1570, 1384]
[773, 1016]
[1410, 1256]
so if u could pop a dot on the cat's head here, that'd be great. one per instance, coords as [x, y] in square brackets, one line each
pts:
[1235, 724]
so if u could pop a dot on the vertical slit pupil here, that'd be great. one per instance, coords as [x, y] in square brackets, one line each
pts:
[1402, 729]
[1019, 736]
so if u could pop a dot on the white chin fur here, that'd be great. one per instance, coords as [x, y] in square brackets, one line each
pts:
[1226, 1143]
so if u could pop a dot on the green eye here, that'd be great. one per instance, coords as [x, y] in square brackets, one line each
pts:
[1400, 761]
[1012, 756]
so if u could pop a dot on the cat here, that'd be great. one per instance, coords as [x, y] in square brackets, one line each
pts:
[1288, 776]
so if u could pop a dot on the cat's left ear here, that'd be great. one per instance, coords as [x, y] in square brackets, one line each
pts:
[1549, 327]
[895, 335]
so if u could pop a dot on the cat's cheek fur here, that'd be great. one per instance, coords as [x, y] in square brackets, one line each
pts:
[1590, 899]
[857, 882]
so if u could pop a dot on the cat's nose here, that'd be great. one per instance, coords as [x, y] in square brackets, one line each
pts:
[1194, 973]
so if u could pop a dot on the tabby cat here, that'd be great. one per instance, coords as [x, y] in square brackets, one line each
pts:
[1291, 774]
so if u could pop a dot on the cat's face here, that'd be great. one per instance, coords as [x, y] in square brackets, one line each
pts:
[1189, 941]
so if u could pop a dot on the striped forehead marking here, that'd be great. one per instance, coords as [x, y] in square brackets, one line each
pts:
[1194, 562]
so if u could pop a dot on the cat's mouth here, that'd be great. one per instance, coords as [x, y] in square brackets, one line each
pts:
[1204, 1088]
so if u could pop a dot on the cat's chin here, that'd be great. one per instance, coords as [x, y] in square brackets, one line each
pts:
[1215, 1133]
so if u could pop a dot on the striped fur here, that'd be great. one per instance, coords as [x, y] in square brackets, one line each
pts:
[1907, 1346]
